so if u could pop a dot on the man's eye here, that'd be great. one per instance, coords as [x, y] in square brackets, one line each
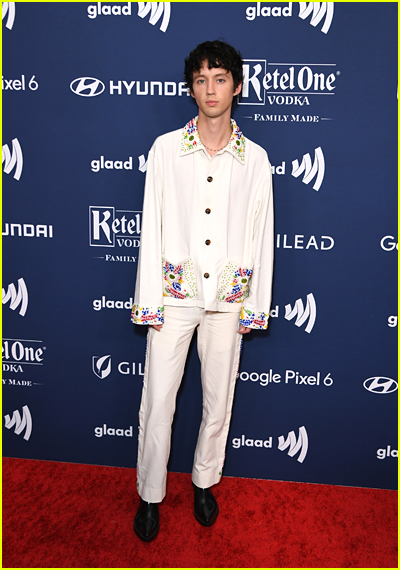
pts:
[221, 80]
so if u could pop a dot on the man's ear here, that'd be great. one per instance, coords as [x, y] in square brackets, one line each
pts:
[192, 94]
[238, 89]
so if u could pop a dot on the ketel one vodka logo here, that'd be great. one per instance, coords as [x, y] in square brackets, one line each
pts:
[109, 227]
[20, 423]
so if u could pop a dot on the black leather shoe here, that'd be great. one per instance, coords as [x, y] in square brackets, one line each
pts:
[147, 524]
[205, 506]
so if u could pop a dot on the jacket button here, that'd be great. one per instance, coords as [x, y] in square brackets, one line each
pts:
[208, 241]
[208, 211]
[210, 179]
[206, 275]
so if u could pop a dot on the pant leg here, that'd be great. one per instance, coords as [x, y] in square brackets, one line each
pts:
[219, 345]
[164, 365]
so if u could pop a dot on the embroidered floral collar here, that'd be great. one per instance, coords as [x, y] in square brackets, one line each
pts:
[191, 142]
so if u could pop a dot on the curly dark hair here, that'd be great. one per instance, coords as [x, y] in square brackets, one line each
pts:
[217, 54]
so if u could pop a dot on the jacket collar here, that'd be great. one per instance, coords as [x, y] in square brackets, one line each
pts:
[190, 140]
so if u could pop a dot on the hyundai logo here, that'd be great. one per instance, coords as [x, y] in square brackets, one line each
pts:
[380, 385]
[87, 86]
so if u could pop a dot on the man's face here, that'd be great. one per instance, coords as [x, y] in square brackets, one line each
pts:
[213, 90]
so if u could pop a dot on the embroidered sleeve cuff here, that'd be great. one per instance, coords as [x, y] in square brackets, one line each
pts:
[147, 315]
[249, 318]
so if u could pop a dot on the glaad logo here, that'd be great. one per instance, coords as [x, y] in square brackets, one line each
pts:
[380, 385]
[158, 9]
[87, 86]
[319, 10]
[285, 84]
[8, 10]
[14, 159]
[97, 165]
[99, 304]
[301, 444]
[101, 366]
[16, 299]
[302, 314]
[310, 171]
[100, 431]
[21, 424]
[108, 228]
[388, 452]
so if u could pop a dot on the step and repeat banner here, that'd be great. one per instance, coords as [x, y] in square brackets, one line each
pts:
[87, 87]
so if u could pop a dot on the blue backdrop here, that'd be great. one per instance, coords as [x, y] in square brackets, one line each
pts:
[86, 90]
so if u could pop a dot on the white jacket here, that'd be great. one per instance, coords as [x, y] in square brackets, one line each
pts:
[207, 230]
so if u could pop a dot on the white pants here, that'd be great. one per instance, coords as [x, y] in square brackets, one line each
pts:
[218, 346]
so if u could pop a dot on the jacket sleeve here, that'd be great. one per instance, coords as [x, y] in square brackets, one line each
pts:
[148, 306]
[255, 309]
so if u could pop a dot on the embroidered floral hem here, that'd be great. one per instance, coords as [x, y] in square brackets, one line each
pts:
[253, 320]
[147, 315]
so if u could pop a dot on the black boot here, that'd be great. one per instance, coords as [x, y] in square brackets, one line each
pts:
[205, 506]
[147, 523]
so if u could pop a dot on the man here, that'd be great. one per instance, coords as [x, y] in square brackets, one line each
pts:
[205, 262]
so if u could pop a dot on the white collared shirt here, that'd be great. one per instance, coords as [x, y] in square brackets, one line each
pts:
[207, 230]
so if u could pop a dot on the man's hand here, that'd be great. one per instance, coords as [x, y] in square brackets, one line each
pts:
[157, 327]
[244, 330]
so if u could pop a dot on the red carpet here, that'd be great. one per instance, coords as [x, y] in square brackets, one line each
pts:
[61, 515]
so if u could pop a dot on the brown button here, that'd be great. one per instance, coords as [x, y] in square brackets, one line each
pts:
[206, 275]
[208, 211]
[208, 241]
[210, 179]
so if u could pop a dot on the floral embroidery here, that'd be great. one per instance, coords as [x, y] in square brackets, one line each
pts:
[147, 315]
[179, 280]
[191, 140]
[253, 320]
[234, 284]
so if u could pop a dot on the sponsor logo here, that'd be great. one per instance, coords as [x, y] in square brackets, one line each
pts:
[102, 365]
[21, 424]
[387, 243]
[288, 377]
[104, 430]
[317, 169]
[392, 321]
[380, 385]
[157, 11]
[17, 353]
[19, 84]
[16, 298]
[285, 84]
[91, 87]
[87, 86]
[386, 452]
[27, 230]
[301, 313]
[13, 159]
[319, 10]
[99, 304]
[300, 241]
[294, 445]
[109, 227]
[301, 444]
[97, 165]
[286, 118]
[8, 9]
